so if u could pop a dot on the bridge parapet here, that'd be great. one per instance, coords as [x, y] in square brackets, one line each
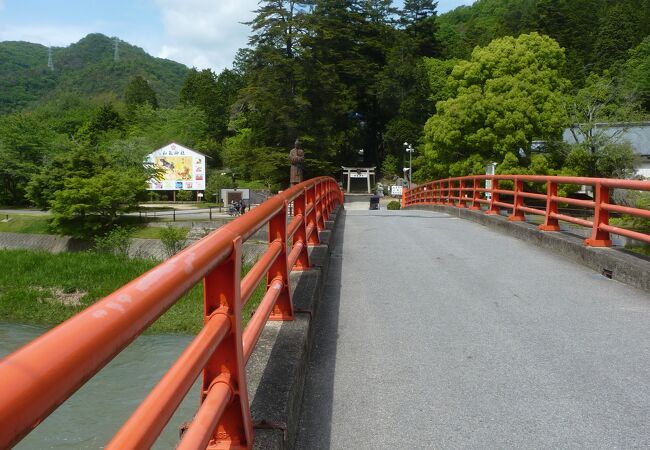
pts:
[474, 192]
[44, 373]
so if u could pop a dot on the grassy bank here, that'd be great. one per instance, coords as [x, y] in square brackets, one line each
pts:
[46, 289]
[33, 224]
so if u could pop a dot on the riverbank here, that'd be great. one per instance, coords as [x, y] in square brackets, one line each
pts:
[42, 288]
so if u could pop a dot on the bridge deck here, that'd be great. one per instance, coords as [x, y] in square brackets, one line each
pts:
[435, 332]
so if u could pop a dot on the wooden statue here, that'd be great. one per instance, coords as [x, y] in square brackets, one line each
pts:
[296, 157]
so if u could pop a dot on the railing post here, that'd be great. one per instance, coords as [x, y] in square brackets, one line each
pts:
[300, 236]
[494, 197]
[226, 365]
[517, 215]
[310, 197]
[475, 206]
[283, 308]
[318, 204]
[461, 193]
[324, 200]
[600, 238]
[550, 222]
[448, 200]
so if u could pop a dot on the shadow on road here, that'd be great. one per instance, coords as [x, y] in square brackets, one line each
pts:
[314, 430]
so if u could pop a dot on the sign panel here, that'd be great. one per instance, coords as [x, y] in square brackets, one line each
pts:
[182, 169]
[358, 174]
[396, 190]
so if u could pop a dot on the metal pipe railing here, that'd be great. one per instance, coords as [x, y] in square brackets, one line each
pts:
[37, 378]
[461, 191]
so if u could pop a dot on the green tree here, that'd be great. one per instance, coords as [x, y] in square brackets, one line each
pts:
[418, 17]
[24, 144]
[508, 94]
[602, 100]
[138, 92]
[636, 73]
[88, 206]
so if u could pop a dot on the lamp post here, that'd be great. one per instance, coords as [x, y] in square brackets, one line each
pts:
[410, 150]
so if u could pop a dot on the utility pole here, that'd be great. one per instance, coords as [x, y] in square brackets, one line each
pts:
[410, 150]
[116, 49]
[50, 63]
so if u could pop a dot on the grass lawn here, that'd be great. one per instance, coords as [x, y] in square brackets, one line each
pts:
[46, 289]
[25, 223]
[152, 232]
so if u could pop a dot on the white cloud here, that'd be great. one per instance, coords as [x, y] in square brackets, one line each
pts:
[58, 36]
[205, 33]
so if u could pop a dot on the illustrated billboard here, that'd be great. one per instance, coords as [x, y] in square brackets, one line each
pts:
[181, 169]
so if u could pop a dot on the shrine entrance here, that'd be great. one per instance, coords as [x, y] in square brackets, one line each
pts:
[358, 173]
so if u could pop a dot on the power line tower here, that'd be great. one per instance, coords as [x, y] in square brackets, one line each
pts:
[116, 49]
[50, 63]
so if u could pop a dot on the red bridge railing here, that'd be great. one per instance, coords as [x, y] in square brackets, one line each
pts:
[40, 376]
[474, 192]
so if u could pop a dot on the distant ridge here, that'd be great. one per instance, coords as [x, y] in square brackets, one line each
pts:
[87, 68]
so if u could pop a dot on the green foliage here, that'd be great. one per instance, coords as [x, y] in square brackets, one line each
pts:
[117, 241]
[173, 239]
[184, 196]
[24, 144]
[597, 150]
[88, 206]
[249, 162]
[507, 94]
[595, 33]
[634, 199]
[394, 205]
[390, 166]
[138, 92]
[637, 72]
[213, 95]
[215, 181]
[474, 165]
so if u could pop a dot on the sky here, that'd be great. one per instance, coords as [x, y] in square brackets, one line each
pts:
[197, 33]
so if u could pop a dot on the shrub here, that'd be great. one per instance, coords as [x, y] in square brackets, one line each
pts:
[635, 199]
[173, 240]
[184, 196]
[117, 241]
[394, 204]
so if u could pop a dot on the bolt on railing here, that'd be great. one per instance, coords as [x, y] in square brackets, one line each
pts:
[472, 190]
[37, 378]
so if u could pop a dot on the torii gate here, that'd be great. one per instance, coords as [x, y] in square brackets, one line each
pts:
[359, 172]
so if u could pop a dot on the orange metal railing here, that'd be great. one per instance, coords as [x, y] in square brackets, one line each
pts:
[473, 192]
[40, 376]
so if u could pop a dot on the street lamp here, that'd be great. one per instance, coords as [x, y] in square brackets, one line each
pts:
[410, 150]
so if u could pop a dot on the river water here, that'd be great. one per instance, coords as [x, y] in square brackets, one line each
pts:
[89, 418]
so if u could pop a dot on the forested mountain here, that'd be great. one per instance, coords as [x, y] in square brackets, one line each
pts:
[86, 68]
[595, 33]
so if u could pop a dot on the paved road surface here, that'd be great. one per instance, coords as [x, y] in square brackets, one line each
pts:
[435, 332]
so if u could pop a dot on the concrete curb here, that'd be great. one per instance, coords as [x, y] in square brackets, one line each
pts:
[625, 267]
[277, 368]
